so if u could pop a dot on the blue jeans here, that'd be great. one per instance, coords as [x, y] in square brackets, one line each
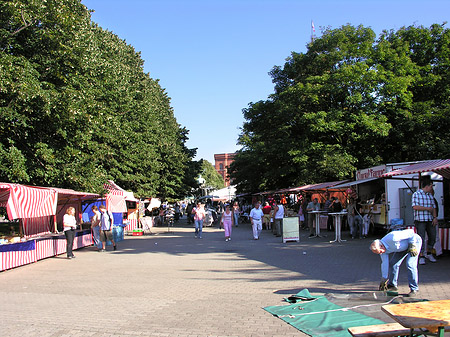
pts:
[395, 260]
[198, 227]
[96, 237]
[236, 218]
[357, 226]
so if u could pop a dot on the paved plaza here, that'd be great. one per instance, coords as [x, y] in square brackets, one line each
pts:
[171, 284]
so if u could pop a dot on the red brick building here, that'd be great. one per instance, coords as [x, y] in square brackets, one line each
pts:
[222, 161]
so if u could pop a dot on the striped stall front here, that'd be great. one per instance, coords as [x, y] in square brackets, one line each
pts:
[37, 226]
[17, 254]
[132, 225]
[444, 235]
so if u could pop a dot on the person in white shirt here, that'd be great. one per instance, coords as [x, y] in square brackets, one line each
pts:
[278, 217]
[70, 224]
[256, 215]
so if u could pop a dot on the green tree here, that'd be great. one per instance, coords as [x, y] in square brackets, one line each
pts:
[213, 179]
[349, 102]
[76, 107]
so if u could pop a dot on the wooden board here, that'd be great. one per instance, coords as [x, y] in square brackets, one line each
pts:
[427, 314]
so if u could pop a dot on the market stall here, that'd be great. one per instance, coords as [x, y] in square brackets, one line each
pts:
[35, 220]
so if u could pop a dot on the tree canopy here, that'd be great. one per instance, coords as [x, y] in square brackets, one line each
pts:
[77, 108]
[351, 101]
[213, 180]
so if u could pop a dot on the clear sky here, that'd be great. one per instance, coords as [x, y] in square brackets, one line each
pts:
[213, 56]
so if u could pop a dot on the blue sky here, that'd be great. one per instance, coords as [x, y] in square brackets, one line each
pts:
[213, 56]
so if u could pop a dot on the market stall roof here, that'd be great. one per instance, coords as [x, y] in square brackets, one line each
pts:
[439, 166]
[23, 201]
[323, 186]
[351, 183]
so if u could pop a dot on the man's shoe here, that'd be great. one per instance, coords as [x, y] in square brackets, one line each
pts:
[311, 235]
[413, 293]
[115, 247]
[422, 260]
[390, 287]
[430, 257]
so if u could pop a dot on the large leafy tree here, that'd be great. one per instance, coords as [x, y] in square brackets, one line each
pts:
[351, 101]
[77, 108]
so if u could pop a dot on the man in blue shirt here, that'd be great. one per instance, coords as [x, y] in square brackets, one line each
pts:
[393, 248]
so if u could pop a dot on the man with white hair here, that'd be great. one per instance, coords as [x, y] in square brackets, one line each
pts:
[393, 248]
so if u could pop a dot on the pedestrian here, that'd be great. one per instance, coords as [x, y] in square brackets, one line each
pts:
[278, 217]
[393, 248]
[313, 206]
[227, 222]
[266, 211]
[256, 216]
[236, 212]
[70, 225]
[95, 226]
[425, 217]
[106, 222]
[199, 217]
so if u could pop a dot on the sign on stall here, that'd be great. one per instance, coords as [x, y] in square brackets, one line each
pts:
[372, 172]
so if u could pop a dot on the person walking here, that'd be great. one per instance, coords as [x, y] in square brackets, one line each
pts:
[236, 212]
[70, 225]
[266, 211]
[425, 217]
[95, 226]
[106, 222]
[199, 217]
[256, 216]
[227, 222]
[393, 248]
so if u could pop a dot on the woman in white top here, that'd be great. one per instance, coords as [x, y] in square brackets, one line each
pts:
[70, 224]
[227, 222]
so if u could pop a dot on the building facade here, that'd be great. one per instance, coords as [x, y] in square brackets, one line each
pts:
[222, 162]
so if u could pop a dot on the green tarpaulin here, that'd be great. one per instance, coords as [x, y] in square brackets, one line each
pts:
[317, 316]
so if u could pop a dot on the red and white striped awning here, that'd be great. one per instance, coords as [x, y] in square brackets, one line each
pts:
[26, 201]
[439, 166]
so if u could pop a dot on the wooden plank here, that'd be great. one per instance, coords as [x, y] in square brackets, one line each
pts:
[383, 330]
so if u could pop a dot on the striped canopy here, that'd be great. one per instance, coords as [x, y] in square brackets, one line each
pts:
[26, 201]
[439, 166]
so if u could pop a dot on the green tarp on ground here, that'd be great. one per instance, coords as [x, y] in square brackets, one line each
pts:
[317, 316]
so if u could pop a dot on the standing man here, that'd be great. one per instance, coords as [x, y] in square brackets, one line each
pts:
[278, 217]
[393, 248]
[106, 221]
[256, 216]
[425, 217]
[312, 206]
[266, 210]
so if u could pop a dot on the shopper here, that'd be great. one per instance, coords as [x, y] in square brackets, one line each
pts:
[227, 222]
[199, 217]
[106, 233]
[256, 216]
[70, 225]
[95, 226]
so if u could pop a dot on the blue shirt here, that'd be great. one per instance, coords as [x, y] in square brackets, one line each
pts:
[397, 241]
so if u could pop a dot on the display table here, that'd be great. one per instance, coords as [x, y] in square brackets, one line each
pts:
[317, 222]
[290, 229]
[22, 253]
[431, 315]
[337, 220]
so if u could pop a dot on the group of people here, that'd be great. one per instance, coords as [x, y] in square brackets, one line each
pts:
[101, 223]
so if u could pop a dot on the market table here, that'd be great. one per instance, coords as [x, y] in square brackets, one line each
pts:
[431, 315]
[317, 221]
[337, 219]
